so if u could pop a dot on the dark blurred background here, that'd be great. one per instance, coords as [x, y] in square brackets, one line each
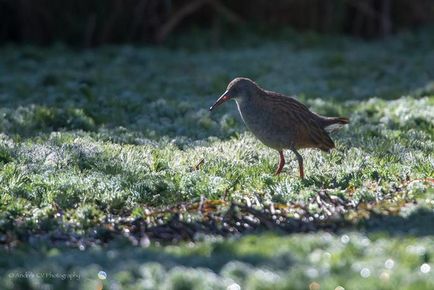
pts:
[91, 23]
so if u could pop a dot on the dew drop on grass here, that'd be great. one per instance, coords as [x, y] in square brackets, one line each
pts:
[326, 237]
[365, 242]
[234, 286]
[385, 276]
[102, 275]
[312, 273]
[315, 256]
[389, 264]
[145, 242]
[425, 268]
[314, 286]
[365, 273]
[345, 239]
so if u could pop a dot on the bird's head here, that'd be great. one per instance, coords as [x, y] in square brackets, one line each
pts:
[240, 89]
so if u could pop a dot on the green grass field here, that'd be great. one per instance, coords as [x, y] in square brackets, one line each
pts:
[94, 142]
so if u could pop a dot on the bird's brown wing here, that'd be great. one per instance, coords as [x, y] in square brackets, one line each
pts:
[297, 117]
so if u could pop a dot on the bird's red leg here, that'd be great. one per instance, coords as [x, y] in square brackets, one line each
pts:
[281, 163]
[300, 163]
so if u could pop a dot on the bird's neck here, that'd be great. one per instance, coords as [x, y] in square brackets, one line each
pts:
[247, 105]
[251, 100]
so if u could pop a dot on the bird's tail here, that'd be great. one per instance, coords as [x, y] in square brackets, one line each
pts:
[333, 124]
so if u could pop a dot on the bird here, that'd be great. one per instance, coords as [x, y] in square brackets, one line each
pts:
[279, 121]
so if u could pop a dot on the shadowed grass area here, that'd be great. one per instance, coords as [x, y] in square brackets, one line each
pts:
[103, 136]
[351, 260]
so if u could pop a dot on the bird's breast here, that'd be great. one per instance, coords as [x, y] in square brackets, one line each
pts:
[261, 121]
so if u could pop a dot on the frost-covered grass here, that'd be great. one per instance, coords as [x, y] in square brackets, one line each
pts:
[88, 136]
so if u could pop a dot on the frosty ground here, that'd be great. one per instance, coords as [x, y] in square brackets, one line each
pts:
[108, 135]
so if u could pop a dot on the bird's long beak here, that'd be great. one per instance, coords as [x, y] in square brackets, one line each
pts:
[220, 100]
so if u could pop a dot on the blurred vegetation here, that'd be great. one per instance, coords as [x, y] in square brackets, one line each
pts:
[90, 23]
[355, 261]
